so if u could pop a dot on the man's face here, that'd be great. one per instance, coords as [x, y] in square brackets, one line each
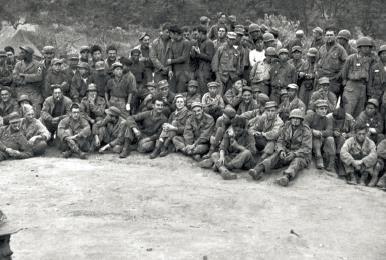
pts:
[5, 95]
[10, 55]
[382, 55]
[49, 56]
[15, 125]
[295, 121]
[316, 35]
[180, 103]
[112, 55]
[57, 67]
[271, 112]
[231, 42]
[135, 56]
[292, 93]
[57, 94]
[192, 90]
[370, 109]
[222, 19]
[165, 34]
[325, 87]
[247, 96]
[221, 33]
[23, 54]
[330, 36]
[342, 41]
[30, 115]
[5, 250]
[186, 35]
[296, 55]
[152, 90]
[238, 130]
[92, 95]
[164, 91]
[84, 55]
[366, 50]
[321, 111]
[158, 106]
[283, 56]
[146, 41]
[97, 56]
[269, 44]
[255, 35]
[118, 71]
[198, 111]
[361, 135]
[195, 35]
[255, 94]
[213, 91]
[83, 71]
[75, 113]
[113, 119]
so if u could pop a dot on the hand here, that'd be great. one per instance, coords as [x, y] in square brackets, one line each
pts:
[12, 152]
[72, 137]
[97, 141]
[104, 148]
[316, 133]
[197, 49]
[136, 132]
[170, 75]
[290, 156]
[221, 161]
[372, 130]
[168, 61]
[92, 121]
[257, 133]
[282, 155]
[128, 107]
[189, 148]
[302, 74]
[357, 164]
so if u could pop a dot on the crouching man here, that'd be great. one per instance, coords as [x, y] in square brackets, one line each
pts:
[293, 148]
[359, 155]
[74, 132]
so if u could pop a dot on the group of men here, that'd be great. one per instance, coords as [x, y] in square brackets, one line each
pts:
[230, 96]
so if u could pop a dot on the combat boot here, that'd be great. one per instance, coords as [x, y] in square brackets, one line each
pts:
[157, 150]
[319, 162]
[206, 164]
[363, 179]
[257, 172]
[165, 148]
[209, 154]
[353, 179]
[75, 148]
[283, 180]
[125, 150]
[382, 182]
[226, 174]
[331, 164]
[374, 180]
[67, 154]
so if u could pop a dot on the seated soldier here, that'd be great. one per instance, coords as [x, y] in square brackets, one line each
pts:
[13, 143]
[55, 108]
[167, 96]
[266, 130]
[175, 126]
[237, 150]
[34, 130]
[321, 129]
[254, 114]
[92, 106]
[74, 133]
[247, 102]
[293, 148]
[380, 166]
[22, 101]
[373, 119]
[144, 128]
[222, 124]
[55, 75]
[197, 132]
[146, 97]
[192, 95]
[323, 93]
[359, 155]
[232, 96]
[110, 131]
[7, 105]
[212, 101]
[290, 103]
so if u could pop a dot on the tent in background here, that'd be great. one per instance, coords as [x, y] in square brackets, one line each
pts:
[20, 39]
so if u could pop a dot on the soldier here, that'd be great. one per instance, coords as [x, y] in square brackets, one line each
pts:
[80, 82]
[144, 128]
[5, 70]
[307, 76]
[321, 129]
[221, 37]
[355, 75]
[222, 22]
[45, 64]
[317, 38]
[343, 39]
[56, 76]
[7, 105]
[146, 97]
[137, 67]
[332, 57]
[34, 130]
[298, 41]
[160, 53]
[22, 101]
[359, 155]
[192, 95]
[323, 93]
[13, 143]
[121, 88]
[11, 59]
[84, 54]
[7, 229]
[55, 108]
[92, 106]
[227, 63]
[197, 132]
[297, 60]
[380, 165]
[281, 74]
[373, 119]
[167, 96]
[112, 57]
[212, 101]
[100, 78]
[293, 102]
[96, 55]
[74, 132]
[377, 79]
[260, 73]
[27, 78]
[110, 131]
[293, 148]
[232, 96]
[237, 150]
[266, 129]
[144, 47]
[247, 103]
[269, 41]
[254, 33]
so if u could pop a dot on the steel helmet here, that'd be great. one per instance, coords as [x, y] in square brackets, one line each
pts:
[364, 41]
[345, 34]
[297, 113]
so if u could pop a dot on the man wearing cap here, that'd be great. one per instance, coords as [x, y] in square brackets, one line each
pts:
[92, 106]
[227, 63]
[13, 143]
[146, 98]
[99, 77]
[6, 230]
[373, 119]
[197, 132]
[121, 88]
[204, 21]
[253, 115]
[110, 132]
[247, 102]
[298, 41]
[343, 39]
[80, 82]
[163, 91]
[282, 74]
[221, 37]
[254, 33]
[323, 93]
[204, 55]
[159, 54]
[5, 70]
[56, 76]
[332, 56]
[243, 47]
[266, 129]
[212, 101]
[260, 72]
[356, 74]
[74, 133]
[144, 128]
[377, 79]
[45, 64]
[269, 41]
[232, 96]
[22, 101]
[306, 76]
[27, 78]
[7, 105]
[192, 95]
[55, 108]
[84, 54]
[112, 56]
[359, 155]
[297, 60]
[293, 102]
[317, 38]
[293, 148]
[321, 128]
[34, 130]
[144, 47]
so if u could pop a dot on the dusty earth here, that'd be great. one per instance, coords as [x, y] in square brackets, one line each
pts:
[106, 208]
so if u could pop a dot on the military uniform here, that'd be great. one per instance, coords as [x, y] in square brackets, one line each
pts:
[232, 98]
[342, 129]
[376, 121]
[120, 89]
[322, 95]
[204, 58]
[93, 111]
[286, 107]
[307, 82]
[52, 110]
[68, 127]
[260, 72]
[56, 78]
[245, 107]
[159, 54]
[35, 128]
[110, 133]
[281, 74]
[6, 109]
[16, 141]
[79, 87]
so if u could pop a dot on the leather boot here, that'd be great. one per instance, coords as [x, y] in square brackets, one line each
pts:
[126, 149]
[209, 154]
[226, 174]
[319, 162]
[257, 172]
[382, 182]
[353, 179]
[331, 164]
[157, 150]
[66, 154]
[283, 180]
[374, 179]
[75, 149]
[363, 179]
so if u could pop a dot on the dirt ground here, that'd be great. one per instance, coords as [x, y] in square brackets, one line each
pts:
[136, 208]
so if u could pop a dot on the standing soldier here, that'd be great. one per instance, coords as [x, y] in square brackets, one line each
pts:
[45, 64]
[80, 82]
[260, 72]
[99, 77]
[144, 47]
[221, 37]
[56, 76]
[11, 59]
[343, 38]
[160, 53]
[112, 57]
[356, 75]
[297, 60]
[27, 78]
[377, 80]
[307, 76]
[222, 22]
[96, 55]
[324, 94]
[292, 103]
[5, 71]
[317, 38]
